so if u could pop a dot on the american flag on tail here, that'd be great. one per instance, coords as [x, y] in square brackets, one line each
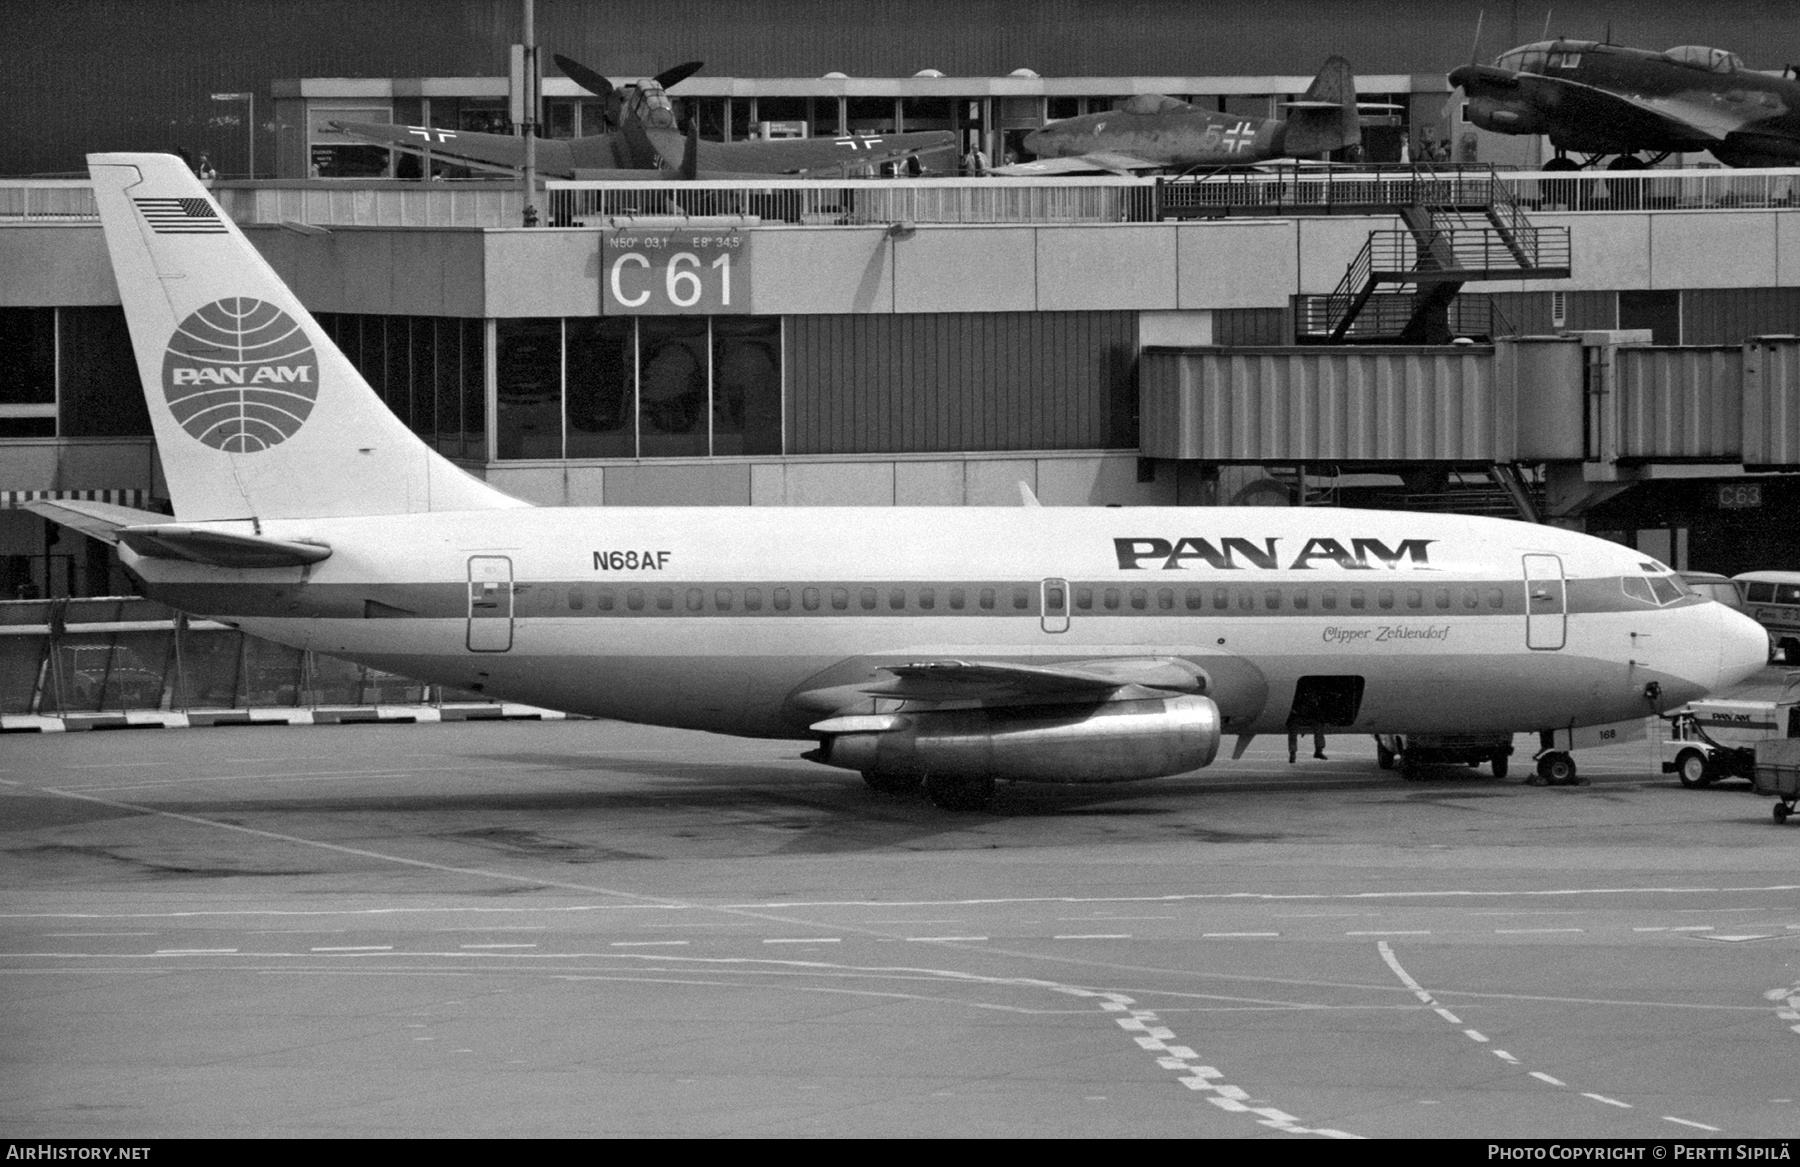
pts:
[180, 216]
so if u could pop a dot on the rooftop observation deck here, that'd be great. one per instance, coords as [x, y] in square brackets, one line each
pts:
[993, 201]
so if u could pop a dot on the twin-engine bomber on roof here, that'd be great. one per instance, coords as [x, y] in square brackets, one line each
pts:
[949, 647]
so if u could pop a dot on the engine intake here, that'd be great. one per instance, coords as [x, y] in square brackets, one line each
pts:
[1118, 741]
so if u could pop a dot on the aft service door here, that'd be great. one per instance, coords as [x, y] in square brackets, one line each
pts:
[490, 603]
[1055, 596]
[1546, 603]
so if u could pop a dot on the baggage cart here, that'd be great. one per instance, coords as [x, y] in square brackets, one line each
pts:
[1778, 774]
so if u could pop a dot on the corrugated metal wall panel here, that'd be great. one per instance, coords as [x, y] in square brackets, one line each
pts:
[1733, 315]
[1772, 402]
[1252, 327]
[948, 382]
[1302, 405]
[1679, 403]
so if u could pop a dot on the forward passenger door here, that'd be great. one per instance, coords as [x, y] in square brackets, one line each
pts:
[1546, 603]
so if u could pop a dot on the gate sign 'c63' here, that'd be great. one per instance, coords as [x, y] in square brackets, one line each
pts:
[674, 271]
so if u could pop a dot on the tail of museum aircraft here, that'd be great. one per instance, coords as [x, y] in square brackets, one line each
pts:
[1324, 118]
[256, 412]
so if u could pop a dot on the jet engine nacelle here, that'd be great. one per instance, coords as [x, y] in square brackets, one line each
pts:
[1505, 117]
[1118, 741]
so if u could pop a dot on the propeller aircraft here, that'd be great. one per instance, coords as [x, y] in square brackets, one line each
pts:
[646, 138]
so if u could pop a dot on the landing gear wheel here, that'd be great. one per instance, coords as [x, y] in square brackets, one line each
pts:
[1692, 769]
[1557, 769]
[891, 783]
[1499, 762]
[1627, 162]
[1562, 162]
[1780, 812]
[1790, 651]
[948, 793]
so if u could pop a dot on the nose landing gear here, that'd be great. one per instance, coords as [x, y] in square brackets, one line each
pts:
[1556, 768]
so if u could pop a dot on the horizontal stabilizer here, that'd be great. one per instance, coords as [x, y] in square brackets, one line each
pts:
[97, 520]
[219, 548]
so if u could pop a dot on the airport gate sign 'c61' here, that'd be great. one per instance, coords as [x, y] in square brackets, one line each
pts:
[672, 271]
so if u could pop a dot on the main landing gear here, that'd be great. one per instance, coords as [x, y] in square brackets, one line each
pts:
[1556, 768]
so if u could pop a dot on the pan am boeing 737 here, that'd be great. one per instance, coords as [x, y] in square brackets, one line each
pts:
[943, 647]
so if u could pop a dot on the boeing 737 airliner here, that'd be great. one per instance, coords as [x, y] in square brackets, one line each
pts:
[948, 647]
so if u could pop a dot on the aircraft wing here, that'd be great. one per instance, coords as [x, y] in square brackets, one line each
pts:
[805, 155]
[850, 688]
[1097, 163]
[1676, 116]
[500, 150]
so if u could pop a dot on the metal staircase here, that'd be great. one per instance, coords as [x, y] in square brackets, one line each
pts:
[1403, 286]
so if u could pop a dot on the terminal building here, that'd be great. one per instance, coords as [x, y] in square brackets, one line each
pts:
[1628, 365]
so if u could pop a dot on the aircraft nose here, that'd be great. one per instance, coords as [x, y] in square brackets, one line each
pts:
[1743, 648]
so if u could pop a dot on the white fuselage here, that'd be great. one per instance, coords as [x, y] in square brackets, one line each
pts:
[759, 622]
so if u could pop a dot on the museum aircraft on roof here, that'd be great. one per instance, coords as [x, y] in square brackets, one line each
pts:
[644, 142]
[1608, 100]
[1155, 132]
[943, 647]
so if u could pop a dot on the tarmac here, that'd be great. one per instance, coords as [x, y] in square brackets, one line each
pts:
[567, 928]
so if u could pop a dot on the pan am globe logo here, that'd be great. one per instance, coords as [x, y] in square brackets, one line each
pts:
[240, 375]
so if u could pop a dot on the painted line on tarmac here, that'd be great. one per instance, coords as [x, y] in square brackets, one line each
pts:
[1788, 1000]
[1423, 994]
[1258, 896]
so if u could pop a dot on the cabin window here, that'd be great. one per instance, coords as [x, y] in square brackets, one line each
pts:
[1302, 599]
[1272, 599]
[1760, 593]
[927, 598]
[665, 599]
[1496, 598]
[722, 599]
[1021, 599]
[696, 599]
[1787, 594]
[1328, 599]
[957, 599]
[897, 599]
[987, 598]
[809, 599]
[866, 597]
[1111, 599]
[1165, 598]
[1140, 599]
[634, 599]
[1471, 598]
[1195, 599]
[1384, 598]
[1221, 599]
[576, 600]
[784, 599]
[1442, 599]
[1246, 600]
[603, 599]
[752, 599]
[1358, 601]
[1084, 598]
[840, 598]
[1415, 598]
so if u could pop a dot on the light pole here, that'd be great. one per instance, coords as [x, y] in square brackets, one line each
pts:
[250, 122]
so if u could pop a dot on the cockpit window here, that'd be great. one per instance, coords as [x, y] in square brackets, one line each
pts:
[1659, 590]
[1152, 103]
[1702, 57]
[1638, 588]
[1564, 60]
[1668, 589]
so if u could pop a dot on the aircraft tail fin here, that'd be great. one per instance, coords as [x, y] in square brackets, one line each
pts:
[1324, 119]
[257, 413]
